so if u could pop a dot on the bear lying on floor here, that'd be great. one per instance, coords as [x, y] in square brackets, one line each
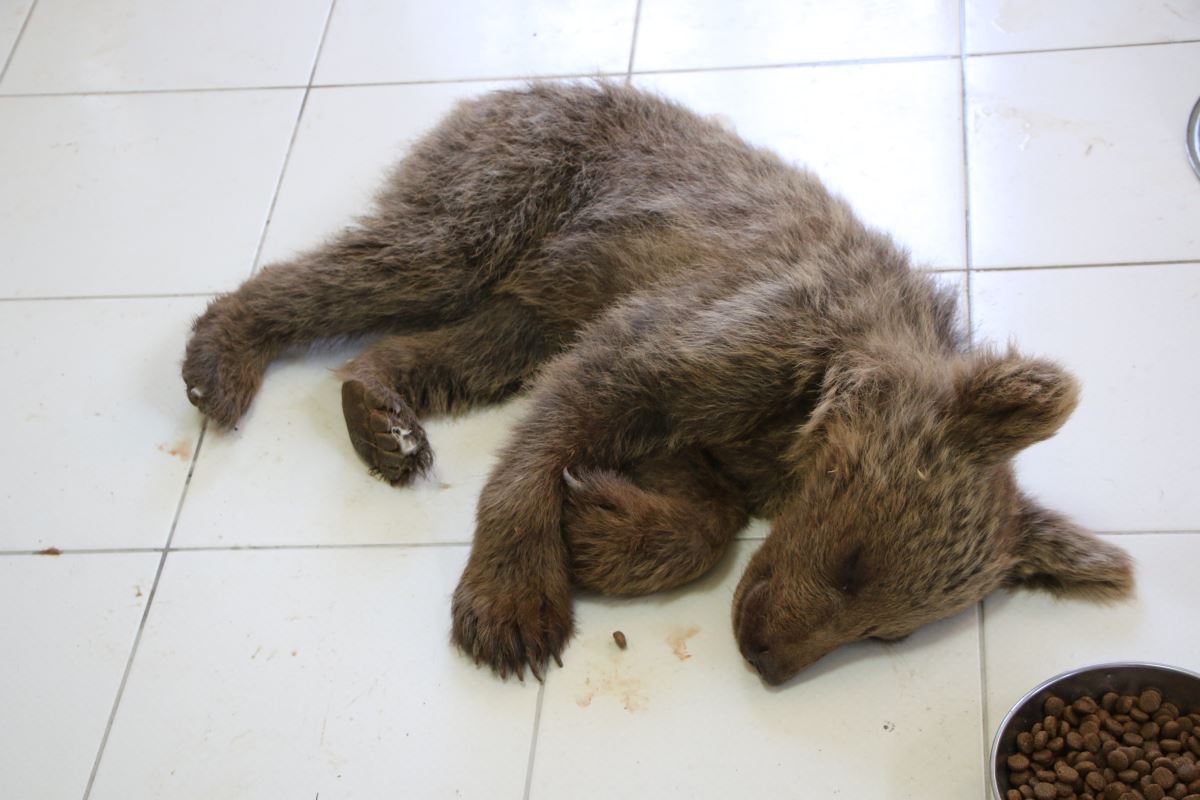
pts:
[705, 334]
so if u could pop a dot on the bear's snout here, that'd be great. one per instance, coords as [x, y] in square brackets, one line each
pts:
[749, 625]
[775, 650]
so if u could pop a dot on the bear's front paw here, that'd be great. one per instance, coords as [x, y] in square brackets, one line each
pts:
[221, 372]
[513, 621]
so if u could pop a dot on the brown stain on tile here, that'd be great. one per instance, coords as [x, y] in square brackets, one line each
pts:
[677, 641]
[49, 551]
[181, 449]
[628, 690]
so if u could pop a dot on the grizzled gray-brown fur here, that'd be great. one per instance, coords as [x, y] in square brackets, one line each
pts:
[705, 334]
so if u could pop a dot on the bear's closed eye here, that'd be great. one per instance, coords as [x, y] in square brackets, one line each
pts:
[851, 575]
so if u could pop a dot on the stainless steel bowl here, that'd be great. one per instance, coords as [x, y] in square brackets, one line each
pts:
[1179, 686]
[1193, 138]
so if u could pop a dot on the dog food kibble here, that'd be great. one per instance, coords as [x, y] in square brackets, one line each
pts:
[1018, 762]
[619, 638]
[1118, 747]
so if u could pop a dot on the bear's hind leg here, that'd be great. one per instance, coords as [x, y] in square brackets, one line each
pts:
[399, 379]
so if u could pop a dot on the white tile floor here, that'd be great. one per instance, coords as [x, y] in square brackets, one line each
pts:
[249, 615]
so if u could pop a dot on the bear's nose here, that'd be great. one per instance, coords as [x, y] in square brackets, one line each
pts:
[756, 655]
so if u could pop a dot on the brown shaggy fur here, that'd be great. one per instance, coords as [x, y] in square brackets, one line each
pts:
[713, 335]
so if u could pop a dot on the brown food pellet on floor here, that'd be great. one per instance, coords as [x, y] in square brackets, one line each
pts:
[619, 638]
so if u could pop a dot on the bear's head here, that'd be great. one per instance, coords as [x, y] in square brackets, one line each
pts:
[906, 509]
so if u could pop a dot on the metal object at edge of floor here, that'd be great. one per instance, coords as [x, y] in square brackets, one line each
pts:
[1193, 139]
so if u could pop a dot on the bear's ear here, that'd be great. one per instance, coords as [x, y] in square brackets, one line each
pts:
[1009, 402]
[1055, 554]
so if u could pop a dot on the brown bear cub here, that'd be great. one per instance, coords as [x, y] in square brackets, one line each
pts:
[706, 334]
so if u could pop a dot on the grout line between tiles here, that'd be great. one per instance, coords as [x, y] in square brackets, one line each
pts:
[1161, 263]
[287, 157]
[537, 721]
[231, 548]
[203, 548]
[165, 295]
[1080, 48]
[844, 62]
[637, 20]
[627, 73]
[17, 41]
[83, 551]
[973, 268]
[275, 87]
[966, 161]
[137, 638]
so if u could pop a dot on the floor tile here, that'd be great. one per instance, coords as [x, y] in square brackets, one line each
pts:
[909, 182]
[99, 436]
[81, 46]
[679, 34]
[289, 475]
[137, 194]
[12, 17]
[1031, 636]
[377, 40]
[347, 140]
[999, 25]
[656, 719]
[268, 674]
[1078, 158]
[67, 624]
[1126, 460]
